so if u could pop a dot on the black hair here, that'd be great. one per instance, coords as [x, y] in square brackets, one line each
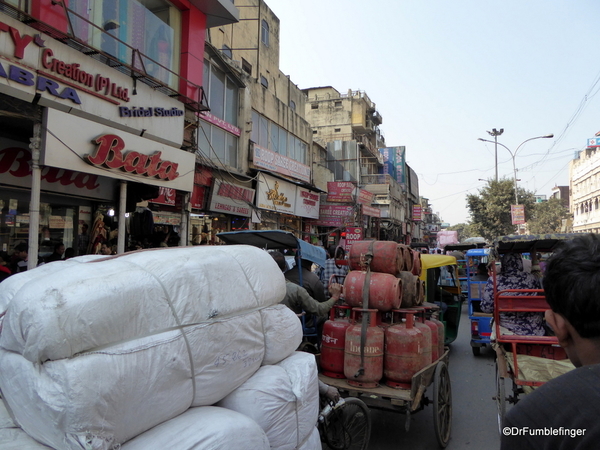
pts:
[58, 245]
[336, 252]
[279, 259]
[22, 247]
[572, 282]
[69, 252]
[482, 268]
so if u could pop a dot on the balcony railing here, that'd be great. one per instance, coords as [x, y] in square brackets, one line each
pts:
[134, 63]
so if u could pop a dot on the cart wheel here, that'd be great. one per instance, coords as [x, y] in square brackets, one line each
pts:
[476, 351]
[349, 426]
[442, 404]
[500, 398]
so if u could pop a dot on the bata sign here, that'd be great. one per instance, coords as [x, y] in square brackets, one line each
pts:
[109, 153]
[73, 143]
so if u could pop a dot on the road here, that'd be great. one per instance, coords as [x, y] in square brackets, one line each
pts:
[474, 420]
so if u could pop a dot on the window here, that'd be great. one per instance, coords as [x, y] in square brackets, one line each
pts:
[315, 131]
[292, 105]
[246, 67]
[338, 104]
[222, 93]
[314, 106]
[227, 51]
[218, 145]
[269, 135]
[337, 130]
[264, 32]
[151, 26]
[264, 81]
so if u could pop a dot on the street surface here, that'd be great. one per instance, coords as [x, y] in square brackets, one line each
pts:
[474, 419]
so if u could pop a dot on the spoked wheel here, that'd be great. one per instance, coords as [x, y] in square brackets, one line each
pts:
[500, 398]
[349, 426]
[442, 404]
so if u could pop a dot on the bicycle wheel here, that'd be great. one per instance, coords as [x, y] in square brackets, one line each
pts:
[349, 426]
[500, 398]
[442, 404]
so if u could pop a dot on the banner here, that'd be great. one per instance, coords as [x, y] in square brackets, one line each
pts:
[517, 213]
[340, 192]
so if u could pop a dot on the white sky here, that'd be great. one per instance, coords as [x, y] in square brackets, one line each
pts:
[443, 72]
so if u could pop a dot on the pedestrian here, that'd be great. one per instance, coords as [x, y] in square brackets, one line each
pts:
[332, 268]
[5, 271]
[563, 413]
[20, 257]
[69, 253]
[59, 251]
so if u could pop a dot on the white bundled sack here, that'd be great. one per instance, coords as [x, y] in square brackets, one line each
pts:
[14, 438]
[283, 399]
[206, 427]
[104, 302]
[111, 395]
[283, 333]
[313, 442]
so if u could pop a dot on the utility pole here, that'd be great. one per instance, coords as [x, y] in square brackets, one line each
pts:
[496, 133]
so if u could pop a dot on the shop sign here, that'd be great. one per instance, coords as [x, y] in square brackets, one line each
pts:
[161, 218]
[230, 198]
[417, 213]
[335, 215]
[197, 197]
[203, 176]
[276, 195]
[166, 196]
[307, 203]
[353, 234]
[205, 115]
[15, 170]
[74, 143]
[371, 211]
[274, 162]
[364, 197]
[340, 192]
[517, 214]
[33, 64]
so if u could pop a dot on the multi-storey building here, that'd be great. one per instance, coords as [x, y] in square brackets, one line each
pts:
[98, 102]
[584, 176]
[269, 154]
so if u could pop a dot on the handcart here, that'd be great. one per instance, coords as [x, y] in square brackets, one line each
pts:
[412, 398]
[527, 361]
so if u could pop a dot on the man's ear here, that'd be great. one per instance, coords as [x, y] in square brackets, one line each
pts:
[559, 325]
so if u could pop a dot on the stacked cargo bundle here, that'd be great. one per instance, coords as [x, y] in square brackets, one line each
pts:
[384, 290]
[134, 350]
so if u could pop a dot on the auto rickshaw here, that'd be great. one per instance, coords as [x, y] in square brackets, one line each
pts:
[442, 287]
[481, 323]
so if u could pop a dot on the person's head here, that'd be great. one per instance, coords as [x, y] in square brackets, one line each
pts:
[4, 258]
[59, 248]
[571, 284]
[482, 269]
[105, 249]
[69, 252]
[280, 260]
[21, 250]
[511, 262]
[84, 228]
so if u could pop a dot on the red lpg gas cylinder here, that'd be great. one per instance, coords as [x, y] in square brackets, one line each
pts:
[426, 330]
[440, 325]
[368, 370]
[385, 290]
[334, 341]
[435, 339]
[404, 345]
[386, 256]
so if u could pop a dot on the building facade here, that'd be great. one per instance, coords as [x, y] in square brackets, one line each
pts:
[584, 188]
[98, 106]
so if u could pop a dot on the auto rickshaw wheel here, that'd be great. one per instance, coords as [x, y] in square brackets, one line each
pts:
[476, 350]
[500, 398]
[442, 404]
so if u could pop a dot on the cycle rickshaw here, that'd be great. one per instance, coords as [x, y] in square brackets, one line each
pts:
[527, 361]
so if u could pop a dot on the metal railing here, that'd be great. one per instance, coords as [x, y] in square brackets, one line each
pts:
[136, 63]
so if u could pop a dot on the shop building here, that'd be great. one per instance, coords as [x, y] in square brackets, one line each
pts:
[98, 103]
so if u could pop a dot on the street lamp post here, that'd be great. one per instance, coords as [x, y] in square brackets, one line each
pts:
[513, 156]
[496, 133]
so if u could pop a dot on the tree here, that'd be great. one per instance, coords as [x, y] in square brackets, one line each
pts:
[547, 217]
[490, 209]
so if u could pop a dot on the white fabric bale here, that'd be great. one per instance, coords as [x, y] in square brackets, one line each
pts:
[283, 399]
[115, 394]
[12, 284]
[302, 370]
[17, 439]
[203, 428]
[283, 333]
[313, 442]
[107, 301]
